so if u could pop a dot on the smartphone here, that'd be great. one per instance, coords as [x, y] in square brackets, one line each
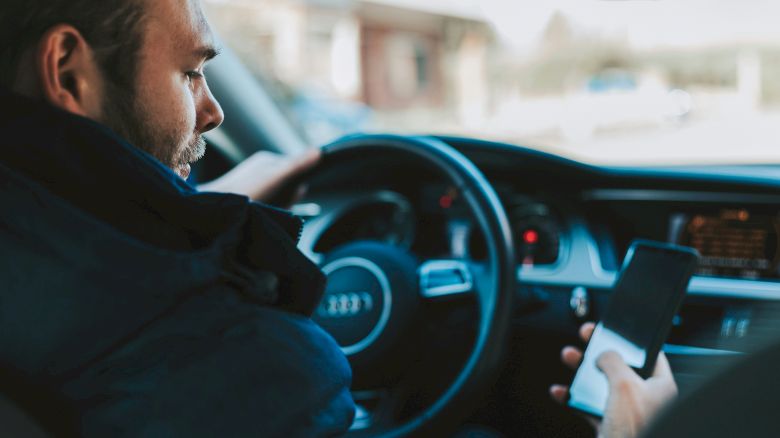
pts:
[647, 294]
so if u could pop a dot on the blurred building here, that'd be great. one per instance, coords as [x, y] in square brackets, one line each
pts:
[388, 54]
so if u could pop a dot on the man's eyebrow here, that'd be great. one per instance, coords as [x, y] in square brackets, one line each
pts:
[209, 52]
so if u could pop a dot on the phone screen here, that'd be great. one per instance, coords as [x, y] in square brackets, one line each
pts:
[645, 298]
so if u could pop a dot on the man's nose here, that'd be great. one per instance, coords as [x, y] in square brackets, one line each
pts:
[210, 113]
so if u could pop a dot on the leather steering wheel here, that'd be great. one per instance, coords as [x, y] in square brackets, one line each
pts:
[396, 279]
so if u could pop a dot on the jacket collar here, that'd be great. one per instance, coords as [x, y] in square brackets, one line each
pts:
[98, 173]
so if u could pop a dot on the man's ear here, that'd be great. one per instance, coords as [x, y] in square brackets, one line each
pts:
[68, 72]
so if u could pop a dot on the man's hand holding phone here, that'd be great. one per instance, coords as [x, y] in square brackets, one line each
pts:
[632, 401]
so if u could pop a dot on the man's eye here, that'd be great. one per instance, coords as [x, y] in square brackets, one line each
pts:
[194, 75]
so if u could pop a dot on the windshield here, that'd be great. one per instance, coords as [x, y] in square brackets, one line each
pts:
[608, 82]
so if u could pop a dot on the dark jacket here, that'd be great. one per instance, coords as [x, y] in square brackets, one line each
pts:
[132, 305]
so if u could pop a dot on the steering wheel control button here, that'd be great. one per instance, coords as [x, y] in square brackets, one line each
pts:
[580, 302]
[362, 419]
[445, 277]
[357, 303]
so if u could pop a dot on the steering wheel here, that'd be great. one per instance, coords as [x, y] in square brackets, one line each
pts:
[374, 287]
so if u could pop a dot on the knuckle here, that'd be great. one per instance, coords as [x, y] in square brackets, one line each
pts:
[625, 386]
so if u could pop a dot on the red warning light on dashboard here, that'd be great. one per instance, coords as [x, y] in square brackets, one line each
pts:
[446, 201]
[530, 237]
[449, 197]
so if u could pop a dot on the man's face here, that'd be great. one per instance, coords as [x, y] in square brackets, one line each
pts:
[171, 105]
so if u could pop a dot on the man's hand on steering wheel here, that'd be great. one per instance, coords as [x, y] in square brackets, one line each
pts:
[263, 175]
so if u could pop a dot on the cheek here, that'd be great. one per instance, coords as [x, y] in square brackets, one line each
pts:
[166, 97]
[175, 106]
[188, 108]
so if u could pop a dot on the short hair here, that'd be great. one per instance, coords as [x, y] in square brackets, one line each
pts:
[112, 28]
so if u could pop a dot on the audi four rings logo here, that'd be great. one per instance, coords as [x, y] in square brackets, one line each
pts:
[346, 304]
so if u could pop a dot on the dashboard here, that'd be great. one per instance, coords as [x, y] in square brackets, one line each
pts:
[433, 223]
[572, 224]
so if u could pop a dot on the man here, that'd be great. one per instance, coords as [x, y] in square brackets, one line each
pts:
[131, 304]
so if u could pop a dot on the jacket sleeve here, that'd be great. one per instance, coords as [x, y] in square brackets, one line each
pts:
[220, 367]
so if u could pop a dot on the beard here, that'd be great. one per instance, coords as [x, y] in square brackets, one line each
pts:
[124, 113]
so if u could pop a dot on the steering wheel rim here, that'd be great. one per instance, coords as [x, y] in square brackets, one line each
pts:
[495, 305]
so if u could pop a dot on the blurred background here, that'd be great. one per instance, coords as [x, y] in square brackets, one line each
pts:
[607, 82]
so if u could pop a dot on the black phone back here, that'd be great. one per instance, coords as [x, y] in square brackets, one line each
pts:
[648, 293]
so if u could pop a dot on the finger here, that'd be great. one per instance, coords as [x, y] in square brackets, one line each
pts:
[300, 193]
[571, 357]
[303, 162]
[616, 370]
[311, 158]
[662, 368]
[586, 331]
[293, 165]
[295, 197]
[286, 170]
[559, 393]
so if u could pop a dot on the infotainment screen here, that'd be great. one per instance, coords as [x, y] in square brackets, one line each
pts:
[735, 243]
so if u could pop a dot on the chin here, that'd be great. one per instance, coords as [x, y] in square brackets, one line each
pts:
[183, 170]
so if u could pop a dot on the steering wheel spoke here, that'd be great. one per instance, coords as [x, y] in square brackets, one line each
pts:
[445, 278]
[315, 257]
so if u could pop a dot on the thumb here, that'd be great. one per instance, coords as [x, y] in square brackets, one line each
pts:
[613, 366]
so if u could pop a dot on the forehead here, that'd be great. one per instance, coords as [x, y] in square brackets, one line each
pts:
[180, 23]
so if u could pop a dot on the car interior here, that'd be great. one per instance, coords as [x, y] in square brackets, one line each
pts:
[460, 265]
[466, 344]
